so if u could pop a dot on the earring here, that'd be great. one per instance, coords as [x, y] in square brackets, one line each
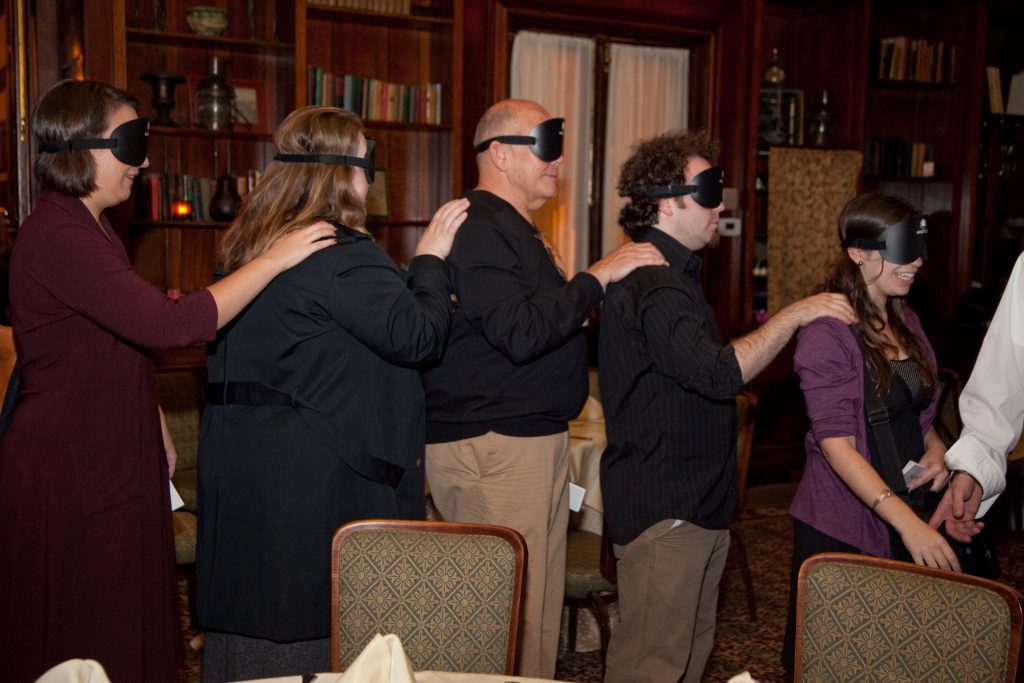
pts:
[860, 263]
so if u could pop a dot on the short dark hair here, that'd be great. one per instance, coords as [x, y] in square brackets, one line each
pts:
[74, 110]
[660, 160]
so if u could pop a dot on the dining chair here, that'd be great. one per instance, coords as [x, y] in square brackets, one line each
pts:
[590, 582]
[862, 618]
[451, 592]
[746, 419]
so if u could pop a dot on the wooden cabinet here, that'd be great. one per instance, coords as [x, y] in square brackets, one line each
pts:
[268, 47]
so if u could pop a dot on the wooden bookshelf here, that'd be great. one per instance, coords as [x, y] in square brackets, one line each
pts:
[270, 52]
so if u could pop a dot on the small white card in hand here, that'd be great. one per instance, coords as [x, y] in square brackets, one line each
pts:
[911, 471]
[176, 501]
[576, 494]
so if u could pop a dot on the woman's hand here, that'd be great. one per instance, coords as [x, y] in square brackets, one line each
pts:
[933, 462]
[440, 234]
[928, 547]
[292, 248]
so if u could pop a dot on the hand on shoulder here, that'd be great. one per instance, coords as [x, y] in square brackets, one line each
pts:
[826, 305]
[440, 234]
[625, 260]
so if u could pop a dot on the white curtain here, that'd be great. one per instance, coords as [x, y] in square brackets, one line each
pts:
[647, 95]
[557, 72]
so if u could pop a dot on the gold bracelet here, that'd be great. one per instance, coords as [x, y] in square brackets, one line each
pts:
[882, 496]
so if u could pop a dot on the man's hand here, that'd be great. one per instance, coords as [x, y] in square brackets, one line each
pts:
[821, 305]
[624, 261]
[958, 507]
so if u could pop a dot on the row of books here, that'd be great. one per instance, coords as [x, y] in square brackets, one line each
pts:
[894, 156]
[157, 193]
[382, 6]
[915, 59]
[373, 99]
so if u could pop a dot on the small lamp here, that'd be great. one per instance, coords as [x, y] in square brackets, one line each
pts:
[181, 210]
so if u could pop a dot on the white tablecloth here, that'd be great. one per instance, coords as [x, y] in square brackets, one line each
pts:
[421, 677]
[587, 442]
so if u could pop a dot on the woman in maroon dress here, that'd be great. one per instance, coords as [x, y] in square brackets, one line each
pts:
[86, 548]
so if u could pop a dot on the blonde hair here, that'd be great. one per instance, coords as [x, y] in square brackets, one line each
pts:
[294, 195]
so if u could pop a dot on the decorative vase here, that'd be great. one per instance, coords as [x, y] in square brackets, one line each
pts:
[163, 84]
[774, 75]
[207, 21]
[226, 200]
[215, 98]
[821, 124]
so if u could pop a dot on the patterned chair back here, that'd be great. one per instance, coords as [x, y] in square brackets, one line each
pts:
[451, 592]
[863, 618]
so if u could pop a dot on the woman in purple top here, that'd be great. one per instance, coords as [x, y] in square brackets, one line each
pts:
[86, 547]
[844, 502]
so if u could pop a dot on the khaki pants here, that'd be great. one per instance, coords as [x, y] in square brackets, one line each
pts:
[521, 483]
[668, 595]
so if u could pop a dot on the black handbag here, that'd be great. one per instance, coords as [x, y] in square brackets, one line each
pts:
[977, 558]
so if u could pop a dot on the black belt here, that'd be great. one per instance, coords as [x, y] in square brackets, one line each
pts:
[256, 394]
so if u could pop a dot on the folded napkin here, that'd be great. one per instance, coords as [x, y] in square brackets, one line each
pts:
[75, 671]
[742, 678]
[383, 660]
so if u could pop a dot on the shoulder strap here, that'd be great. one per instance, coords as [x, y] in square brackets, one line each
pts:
[877, 415]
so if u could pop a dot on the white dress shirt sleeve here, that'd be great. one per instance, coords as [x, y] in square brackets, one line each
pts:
[992, 402]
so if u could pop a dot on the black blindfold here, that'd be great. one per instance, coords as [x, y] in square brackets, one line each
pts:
[901, 243]
[545, 140]
[706, 188]
[363, 162]
[128, 143]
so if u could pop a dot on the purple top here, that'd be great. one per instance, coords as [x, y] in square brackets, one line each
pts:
[831, 370]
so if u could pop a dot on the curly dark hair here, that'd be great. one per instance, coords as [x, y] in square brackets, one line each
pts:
[660, 160]
[867, 216]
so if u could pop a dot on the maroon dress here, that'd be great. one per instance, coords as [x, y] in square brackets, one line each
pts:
[86, 547]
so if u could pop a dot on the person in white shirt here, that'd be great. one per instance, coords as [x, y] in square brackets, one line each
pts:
[992, 409]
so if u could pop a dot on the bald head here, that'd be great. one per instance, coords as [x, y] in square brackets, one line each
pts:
[509, 117]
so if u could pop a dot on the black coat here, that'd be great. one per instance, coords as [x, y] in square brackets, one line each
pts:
[343, 331]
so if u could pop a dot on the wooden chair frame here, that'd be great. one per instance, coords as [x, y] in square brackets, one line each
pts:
[1011, 597]
[510, 536]
[744, 447]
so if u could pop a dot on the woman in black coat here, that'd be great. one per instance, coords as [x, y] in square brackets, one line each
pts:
[315, 413]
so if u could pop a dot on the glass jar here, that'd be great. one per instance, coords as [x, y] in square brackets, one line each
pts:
[215, 98]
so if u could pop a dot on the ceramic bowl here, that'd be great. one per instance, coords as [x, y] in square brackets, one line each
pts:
[207, 21]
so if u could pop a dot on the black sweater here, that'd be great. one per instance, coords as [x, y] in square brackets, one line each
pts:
[516, 358]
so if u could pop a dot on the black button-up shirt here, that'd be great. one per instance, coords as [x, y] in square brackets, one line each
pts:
[668, 385]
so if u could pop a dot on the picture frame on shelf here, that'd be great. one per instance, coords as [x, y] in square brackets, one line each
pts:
[378, 199]
[782, 116]
[250, 105]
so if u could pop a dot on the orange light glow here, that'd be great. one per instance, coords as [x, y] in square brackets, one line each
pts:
[181, 210]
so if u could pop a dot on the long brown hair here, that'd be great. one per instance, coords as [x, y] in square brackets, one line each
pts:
[291, 196]
[867, 216]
